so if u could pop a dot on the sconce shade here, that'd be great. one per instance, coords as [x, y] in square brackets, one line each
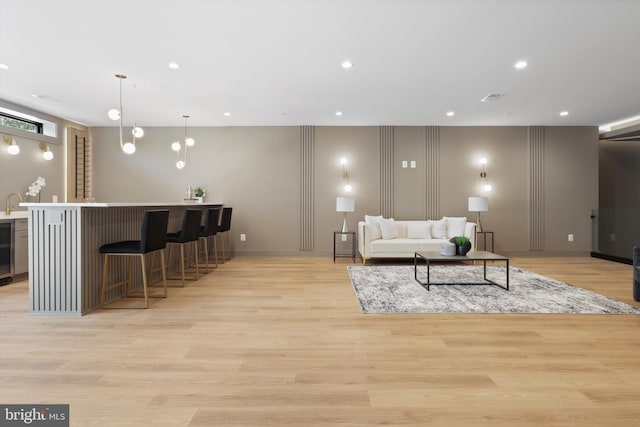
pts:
[13, 148]
[478, 204]
[345, 204]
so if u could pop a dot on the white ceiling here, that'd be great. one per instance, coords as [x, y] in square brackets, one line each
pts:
[278, 62]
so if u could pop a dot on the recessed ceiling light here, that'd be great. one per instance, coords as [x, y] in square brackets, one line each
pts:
[564, 113]
[174, 65]
[4, 66]
[521, 65]
[338, 113]
[227, 114]
[347, 64]
[450, 114]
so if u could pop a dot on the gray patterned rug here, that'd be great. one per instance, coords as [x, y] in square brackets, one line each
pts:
[392, 289]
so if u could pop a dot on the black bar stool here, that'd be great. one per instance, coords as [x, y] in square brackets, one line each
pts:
[223, 228]
[153, 239]
[210, 229]
[189, 234]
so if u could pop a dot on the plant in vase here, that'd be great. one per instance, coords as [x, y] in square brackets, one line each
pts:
[199, 193]
[35, 187]
[463, 244]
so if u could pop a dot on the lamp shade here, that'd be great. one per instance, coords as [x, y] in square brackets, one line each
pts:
[478, 204]
[345, 204]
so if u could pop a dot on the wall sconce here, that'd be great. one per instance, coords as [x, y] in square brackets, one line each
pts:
[47, 154]
[188, 142]
[486, 186]
[128, 147]
[345, 175]
[13, 147]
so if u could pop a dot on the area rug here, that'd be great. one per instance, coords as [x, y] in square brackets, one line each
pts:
[392, 289]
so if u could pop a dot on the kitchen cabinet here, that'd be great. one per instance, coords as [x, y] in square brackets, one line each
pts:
[21, 246]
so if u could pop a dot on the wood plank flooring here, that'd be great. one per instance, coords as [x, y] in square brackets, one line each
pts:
[282, 342]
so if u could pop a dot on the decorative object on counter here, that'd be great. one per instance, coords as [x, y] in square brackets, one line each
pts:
[35, 187]
[199, 194]
[478, 204]
[463, 244]
[176, 146]
[13, 147]
[128, 147]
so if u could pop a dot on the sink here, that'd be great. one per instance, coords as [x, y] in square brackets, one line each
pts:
[14, 215]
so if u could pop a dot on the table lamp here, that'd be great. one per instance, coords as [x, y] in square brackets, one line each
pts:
[478, 204]
[344, 205]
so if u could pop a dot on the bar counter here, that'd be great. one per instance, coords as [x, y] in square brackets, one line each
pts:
[65, 266]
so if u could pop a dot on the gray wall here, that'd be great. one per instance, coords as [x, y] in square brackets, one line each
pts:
[257, 171]
[19, 171]
[618, 228]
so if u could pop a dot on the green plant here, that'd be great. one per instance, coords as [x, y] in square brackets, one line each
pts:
[198, 192]
[461, 240]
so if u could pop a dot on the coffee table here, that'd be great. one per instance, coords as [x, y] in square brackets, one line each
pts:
[482, 256]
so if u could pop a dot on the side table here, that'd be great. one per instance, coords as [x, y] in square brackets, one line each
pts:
[350, 235]
[485, 234]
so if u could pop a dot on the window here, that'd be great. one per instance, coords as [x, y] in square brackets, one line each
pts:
[20, 123]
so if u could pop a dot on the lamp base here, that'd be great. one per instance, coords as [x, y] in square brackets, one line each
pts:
[478, 223]
[345, 228]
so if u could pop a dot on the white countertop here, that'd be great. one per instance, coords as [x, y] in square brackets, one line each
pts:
[14, 215]
[113, 205]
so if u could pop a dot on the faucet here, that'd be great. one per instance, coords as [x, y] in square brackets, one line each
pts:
[8, 202]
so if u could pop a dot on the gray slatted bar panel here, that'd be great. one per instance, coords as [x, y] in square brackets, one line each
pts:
[432, 174]
[53, 268]
[385, 144]
[536, 188]
[306, 188]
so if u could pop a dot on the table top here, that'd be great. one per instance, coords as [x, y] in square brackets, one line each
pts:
[471, 256]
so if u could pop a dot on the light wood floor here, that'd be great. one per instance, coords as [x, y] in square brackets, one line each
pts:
[282, 342]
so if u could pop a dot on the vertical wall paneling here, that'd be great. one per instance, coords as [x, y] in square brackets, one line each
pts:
[431, 161]
[386, 170]
[536, 187]
[306, 188]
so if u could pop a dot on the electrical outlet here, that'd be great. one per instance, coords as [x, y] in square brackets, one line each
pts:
[243, 237]
[570, 237]
[344, 237]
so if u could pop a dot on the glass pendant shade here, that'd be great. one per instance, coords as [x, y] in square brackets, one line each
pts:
[175, 146]
[138, 132]
[129, 147]
[180, 164]
[114, 114]
[190, 142]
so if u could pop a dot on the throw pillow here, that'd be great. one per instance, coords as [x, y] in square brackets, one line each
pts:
[455, 226]
[418, 230]
[388, 228]
[439, 229]
[373, 227]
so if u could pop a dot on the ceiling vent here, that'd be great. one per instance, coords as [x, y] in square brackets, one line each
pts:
[492, 97]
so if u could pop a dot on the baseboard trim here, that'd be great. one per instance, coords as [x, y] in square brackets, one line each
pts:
[622, 260]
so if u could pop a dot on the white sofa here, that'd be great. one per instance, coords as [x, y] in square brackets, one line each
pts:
[385, 238]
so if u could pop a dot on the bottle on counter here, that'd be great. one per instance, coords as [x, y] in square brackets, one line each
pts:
[189, 193]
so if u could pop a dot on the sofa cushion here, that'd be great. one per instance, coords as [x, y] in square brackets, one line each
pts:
[388, 228]
[373, 226]
[439, 229]
[455, 226]
[395, 246]
[418, 230]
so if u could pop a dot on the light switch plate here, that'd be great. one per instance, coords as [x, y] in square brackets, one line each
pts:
[404, 164]
[413, 164]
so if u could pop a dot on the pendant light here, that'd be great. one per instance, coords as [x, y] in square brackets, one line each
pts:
[177, 147]
[128, 147]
